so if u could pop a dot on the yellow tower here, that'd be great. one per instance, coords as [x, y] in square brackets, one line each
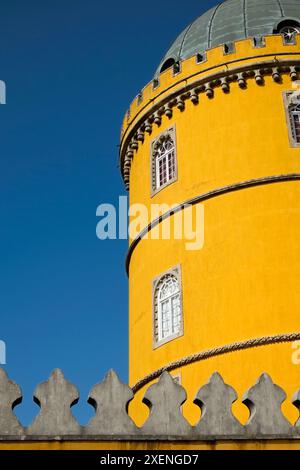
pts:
[219, 128]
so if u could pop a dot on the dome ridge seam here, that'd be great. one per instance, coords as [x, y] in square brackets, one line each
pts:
[211, 23]
[281, 8]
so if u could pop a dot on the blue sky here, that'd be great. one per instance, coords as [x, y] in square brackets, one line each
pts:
[71, 68]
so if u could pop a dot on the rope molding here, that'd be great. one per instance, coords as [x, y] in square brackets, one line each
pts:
[207, 84]
[208, 353]
[204, 197]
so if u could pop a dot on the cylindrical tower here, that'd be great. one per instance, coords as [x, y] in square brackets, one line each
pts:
[219, 126]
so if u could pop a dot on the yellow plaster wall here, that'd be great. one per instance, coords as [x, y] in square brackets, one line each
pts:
[150, 446]
[244, 283]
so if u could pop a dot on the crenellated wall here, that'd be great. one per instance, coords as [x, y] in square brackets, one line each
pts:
[192, 79]
[55, 427]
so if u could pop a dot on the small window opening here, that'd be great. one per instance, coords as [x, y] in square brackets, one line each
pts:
[228, 48]
[167, 65]
[288, 29]
[200, 58]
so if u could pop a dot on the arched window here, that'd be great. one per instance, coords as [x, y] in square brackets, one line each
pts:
[295, 122]
[292, 106]
[165, 161]
[167, 308]
[164, 167]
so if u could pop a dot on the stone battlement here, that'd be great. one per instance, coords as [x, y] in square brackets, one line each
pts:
[111, 422]
[191, 79]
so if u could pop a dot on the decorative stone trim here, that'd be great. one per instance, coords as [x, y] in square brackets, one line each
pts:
[257, 42]
[218, 351]
[192, 91]
[111, 421]
[206, 196]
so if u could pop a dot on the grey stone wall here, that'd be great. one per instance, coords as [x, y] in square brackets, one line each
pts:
[110, 399]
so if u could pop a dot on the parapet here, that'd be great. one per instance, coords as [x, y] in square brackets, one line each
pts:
[189, 80]
[111, 422]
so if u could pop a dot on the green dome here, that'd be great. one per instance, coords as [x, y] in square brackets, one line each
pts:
[230, 21]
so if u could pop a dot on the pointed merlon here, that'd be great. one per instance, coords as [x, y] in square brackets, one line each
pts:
[10, 396]
[110, 399]
[264, 401]
[55, 397]
[164, 400]
[215, 400]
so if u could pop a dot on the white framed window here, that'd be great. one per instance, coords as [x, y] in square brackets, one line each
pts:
[163, 160]
[295, 122]
[167, 307]
[292, 107]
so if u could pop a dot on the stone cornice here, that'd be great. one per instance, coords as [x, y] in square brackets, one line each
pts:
[244, 50]
[202, 85]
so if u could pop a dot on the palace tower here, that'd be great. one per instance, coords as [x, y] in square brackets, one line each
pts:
[219, 126]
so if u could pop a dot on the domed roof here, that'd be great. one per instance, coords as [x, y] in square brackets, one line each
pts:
[230, 21]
